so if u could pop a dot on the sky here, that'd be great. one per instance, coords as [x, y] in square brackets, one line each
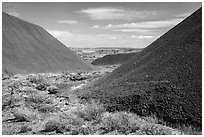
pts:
[103, 24]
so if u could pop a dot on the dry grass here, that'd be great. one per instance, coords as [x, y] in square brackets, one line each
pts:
[24, 114]
[42, 114]
[91, 118]
[25, 128]
[90, 111]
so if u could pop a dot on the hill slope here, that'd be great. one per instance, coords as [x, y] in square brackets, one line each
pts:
[28, 48]
[112, 59]
[164, 79]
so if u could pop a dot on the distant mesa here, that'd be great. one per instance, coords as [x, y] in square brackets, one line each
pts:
[28, 48]
[113, 59]
[164, 79]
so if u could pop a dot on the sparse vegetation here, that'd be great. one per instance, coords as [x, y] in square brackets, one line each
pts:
[92, 111]
[25, 128]
[23, 113]
[45, 113]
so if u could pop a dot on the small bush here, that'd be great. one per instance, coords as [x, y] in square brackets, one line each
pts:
[116, 121]
[91, 111]
[35, 97]
[85, 130]
[8, 101]
[24, 114]
[62, 122]
[126, 123]
[189, 130]
[25, 129]
[52, 125]
[41, 87]
[44, 108]
[69, 118]
[35, 79]
[151, 119]
[156, 129]
[52, 90]
[40, 81]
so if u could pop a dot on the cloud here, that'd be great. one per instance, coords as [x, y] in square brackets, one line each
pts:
[114, 37]
[144, 37]
[109, 25]
[68, 22]
[133, 30]
[111, 13]
[100, 40]
[183, 15]
[60, 34]
[10, 8]
[13, 13]
[147, 24]
[96, 26]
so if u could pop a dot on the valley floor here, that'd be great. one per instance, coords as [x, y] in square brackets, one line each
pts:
[46, 104]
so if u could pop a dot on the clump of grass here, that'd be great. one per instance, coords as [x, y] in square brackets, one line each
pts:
[90, 111]
[127, 123]
[115, 121]
[52, 89]
[62, 122]
[45, 108]
[25, 128]
[9, 101]
[53, 125]
[40, 81]
[35, 79]
[70, 119]
[189, 130]
[151, 119]
[24, 114]
[37, 98]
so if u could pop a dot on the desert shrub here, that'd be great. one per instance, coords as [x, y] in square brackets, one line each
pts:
[35, 97]
[61, 122]
[69, 118]
[157, 129]
[52, 125]
[9, 101]
[126, 123]
[45, 108]
[74, 132]
[25, 128]
[151, 119]
[189, 130]
[116, 121]
[90, 111]
[41, 87]
[52, 90]
[24, 114]
[149, 126]
[85, 130]
[40, 81]
[35, 79]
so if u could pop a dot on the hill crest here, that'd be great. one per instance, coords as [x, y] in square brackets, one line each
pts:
[28, 48]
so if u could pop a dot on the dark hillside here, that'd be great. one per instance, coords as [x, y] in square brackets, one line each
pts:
[112, 59]
[28, 48]
[164, 79]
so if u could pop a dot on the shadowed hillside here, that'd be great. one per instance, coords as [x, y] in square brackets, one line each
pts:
[113, 59]
[164, 79]
[28, 48]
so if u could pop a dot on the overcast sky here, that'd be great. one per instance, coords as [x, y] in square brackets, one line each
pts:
[103, 24]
